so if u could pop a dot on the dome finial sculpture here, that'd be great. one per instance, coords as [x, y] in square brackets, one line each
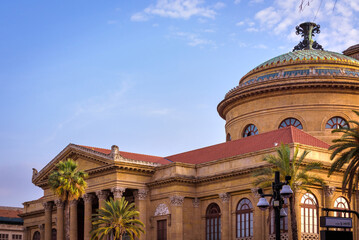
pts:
[307, 30]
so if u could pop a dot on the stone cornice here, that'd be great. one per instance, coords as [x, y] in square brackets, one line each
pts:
[174, 164]
[267, 87]
[32, 214]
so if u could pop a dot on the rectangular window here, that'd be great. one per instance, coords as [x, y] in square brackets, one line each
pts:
[4, 236]
[16, 237]
[162, 230]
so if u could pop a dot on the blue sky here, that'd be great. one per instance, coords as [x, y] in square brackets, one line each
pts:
[144, 75]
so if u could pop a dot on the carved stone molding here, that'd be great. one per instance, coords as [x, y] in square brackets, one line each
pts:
[115, 153]
[161, 210]
[118, 191]
[35, 173]
[329, 191]
[224, 197]
[59, 203]
[141, 194]
[102, 195]
[196, 202]
[73, 203]
[255, 192]
[47, 206]
[88, 197]
[176, 200]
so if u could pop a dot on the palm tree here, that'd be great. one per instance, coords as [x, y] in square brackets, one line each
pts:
[117, 218]
[68, 183]
[287, 166]
[346, 150]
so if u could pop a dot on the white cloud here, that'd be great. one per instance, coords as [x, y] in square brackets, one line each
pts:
[241, 23]
[180, 9]
[237, 1]
[261, 46]
[139, 17]
[339, 22]
[193, 39]
[252, 29]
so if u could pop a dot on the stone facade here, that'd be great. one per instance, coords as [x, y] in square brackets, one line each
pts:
[11, 225]
[176, 194]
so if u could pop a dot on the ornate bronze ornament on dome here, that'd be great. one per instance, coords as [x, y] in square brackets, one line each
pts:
[307, 30]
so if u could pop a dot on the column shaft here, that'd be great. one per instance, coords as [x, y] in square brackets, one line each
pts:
[73, 220]
[140, 201]
[88, 215]
[48, 220]
[225, 234]
[177, 217]
[60, 220]
[102, 197]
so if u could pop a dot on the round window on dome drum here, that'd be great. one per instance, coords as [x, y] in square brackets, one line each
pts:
[336, 123]
[250, 130]
[291, 122]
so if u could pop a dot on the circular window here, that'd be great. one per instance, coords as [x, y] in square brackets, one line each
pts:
[336, 123]
[290, 122]
[250, 130]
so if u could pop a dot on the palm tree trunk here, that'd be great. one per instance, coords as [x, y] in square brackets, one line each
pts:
[293, 217]
[67, 220]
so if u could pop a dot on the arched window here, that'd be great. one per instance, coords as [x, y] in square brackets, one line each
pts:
[244, 218]
[213, 222]
[291, 122]
[283, 220]
[53, 234]
[336, 123]
[309, 214]
[228, 138]
[341, 203]
[36, 236]
[250, 130]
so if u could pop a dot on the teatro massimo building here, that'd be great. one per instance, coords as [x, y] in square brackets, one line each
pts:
[296, 98]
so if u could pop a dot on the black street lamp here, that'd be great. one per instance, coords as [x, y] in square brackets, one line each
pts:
[280, 190]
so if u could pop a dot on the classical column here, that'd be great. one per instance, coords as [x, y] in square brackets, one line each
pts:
[140, 202]
[118, 192]
[42, 232]
[225, 197]
[88, 215]
[60, 219]
[177, 217]
[73, 220]
[48, 220]
[102, 197]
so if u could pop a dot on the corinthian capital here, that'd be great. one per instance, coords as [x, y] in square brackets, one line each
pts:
[59, 203]
[329, 191]
[88, 197]
[141, 194]
[224, 197]
[102, 195]
[176, 200]
[47, 206]
[118, 191]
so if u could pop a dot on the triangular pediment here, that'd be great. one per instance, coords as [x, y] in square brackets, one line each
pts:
[86, 159]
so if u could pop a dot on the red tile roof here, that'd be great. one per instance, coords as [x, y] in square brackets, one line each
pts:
[248, 145]
[133, 156]
[9, 212]
[231, 148]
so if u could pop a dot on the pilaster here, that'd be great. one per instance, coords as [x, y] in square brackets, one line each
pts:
[225, 231]
[177, 217]
[141, 202]
[48, 220]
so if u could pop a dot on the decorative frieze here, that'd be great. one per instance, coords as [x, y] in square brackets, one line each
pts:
[329, 191]
[224, 197]
[176, 200]
[47, 206]
[102, 195]
[195, 202]
[161, 210]
[88, 197]
[141, 194]
[118, 191]
[59, 203]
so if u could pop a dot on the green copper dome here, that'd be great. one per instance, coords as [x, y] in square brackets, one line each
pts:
[307, 55]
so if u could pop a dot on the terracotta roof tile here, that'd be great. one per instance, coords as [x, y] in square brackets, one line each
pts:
[248, 145]
[133, 156]
[8, 212]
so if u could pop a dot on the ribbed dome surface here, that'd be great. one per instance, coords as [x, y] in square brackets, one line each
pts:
[303, 55]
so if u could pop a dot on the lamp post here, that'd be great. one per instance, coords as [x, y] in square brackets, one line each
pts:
[280, 190]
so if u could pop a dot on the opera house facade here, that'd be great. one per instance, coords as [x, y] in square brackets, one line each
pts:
[297, 98]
